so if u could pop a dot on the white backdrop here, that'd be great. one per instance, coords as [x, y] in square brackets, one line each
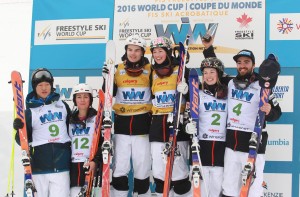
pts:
[15, 29]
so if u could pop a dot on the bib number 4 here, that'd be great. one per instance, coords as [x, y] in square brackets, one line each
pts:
[237, 109]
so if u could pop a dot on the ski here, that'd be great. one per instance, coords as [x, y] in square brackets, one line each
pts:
[197, 172]
[17, 87]
[86, 189]
[170, 150]
[267, 83]
[107, 121]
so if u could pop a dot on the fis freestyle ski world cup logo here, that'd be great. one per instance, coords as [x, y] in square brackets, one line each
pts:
[45, 33]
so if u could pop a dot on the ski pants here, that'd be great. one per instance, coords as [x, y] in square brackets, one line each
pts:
[180, 168]
[234, 163]
[137, 149]
[52, 184]
[213, 177]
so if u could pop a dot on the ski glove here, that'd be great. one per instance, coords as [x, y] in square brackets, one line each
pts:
[191, 128]
[18, 124]
[182, 87]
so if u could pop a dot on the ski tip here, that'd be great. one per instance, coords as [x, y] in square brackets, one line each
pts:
[193, 72]
[110, 43]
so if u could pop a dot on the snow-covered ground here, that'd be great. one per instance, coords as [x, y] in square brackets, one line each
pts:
[15, 33]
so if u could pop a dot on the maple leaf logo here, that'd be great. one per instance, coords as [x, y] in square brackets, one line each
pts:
[244, 20]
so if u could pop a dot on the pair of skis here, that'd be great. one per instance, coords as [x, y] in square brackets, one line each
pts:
[248, 173]
[197, 170]
[171, 147]
[170, 150]
[90, 178]
[107, 121]
[17, 87]
[104, 109]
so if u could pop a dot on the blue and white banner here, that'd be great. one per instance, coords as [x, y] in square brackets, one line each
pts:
[72, 31]
[237, 25]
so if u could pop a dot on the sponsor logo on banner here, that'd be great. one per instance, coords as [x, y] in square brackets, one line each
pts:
[72, 31]
[244, 23]
[285, 26]
[176, 20]
[63, 86]
[280, 144]
[124, 32]
[273, 185]
[284, 93]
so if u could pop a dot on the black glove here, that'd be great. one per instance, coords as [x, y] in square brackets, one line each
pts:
[18, 124]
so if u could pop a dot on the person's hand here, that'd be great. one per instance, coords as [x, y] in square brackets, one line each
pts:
[182, 87]
[206, 43]
[266, 108]
[90, 166]
[191, 128]
[18, 124]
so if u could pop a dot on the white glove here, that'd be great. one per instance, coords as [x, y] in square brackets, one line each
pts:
[182, 87]
[191, 128]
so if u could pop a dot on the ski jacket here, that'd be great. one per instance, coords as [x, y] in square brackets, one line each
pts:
[133, 94]
[239, 128]
[47, 129]
[133, 101]
[163, 90]
[212, 129]
[82, 131]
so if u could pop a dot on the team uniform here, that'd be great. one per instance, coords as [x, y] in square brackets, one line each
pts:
[81, 132]
[131, 129]
[212, 136]
[50, 151]
[212, 125]
[242, 111]
[131, 124]
[163, 90]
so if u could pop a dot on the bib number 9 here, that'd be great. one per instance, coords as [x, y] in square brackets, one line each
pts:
[54, 130]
